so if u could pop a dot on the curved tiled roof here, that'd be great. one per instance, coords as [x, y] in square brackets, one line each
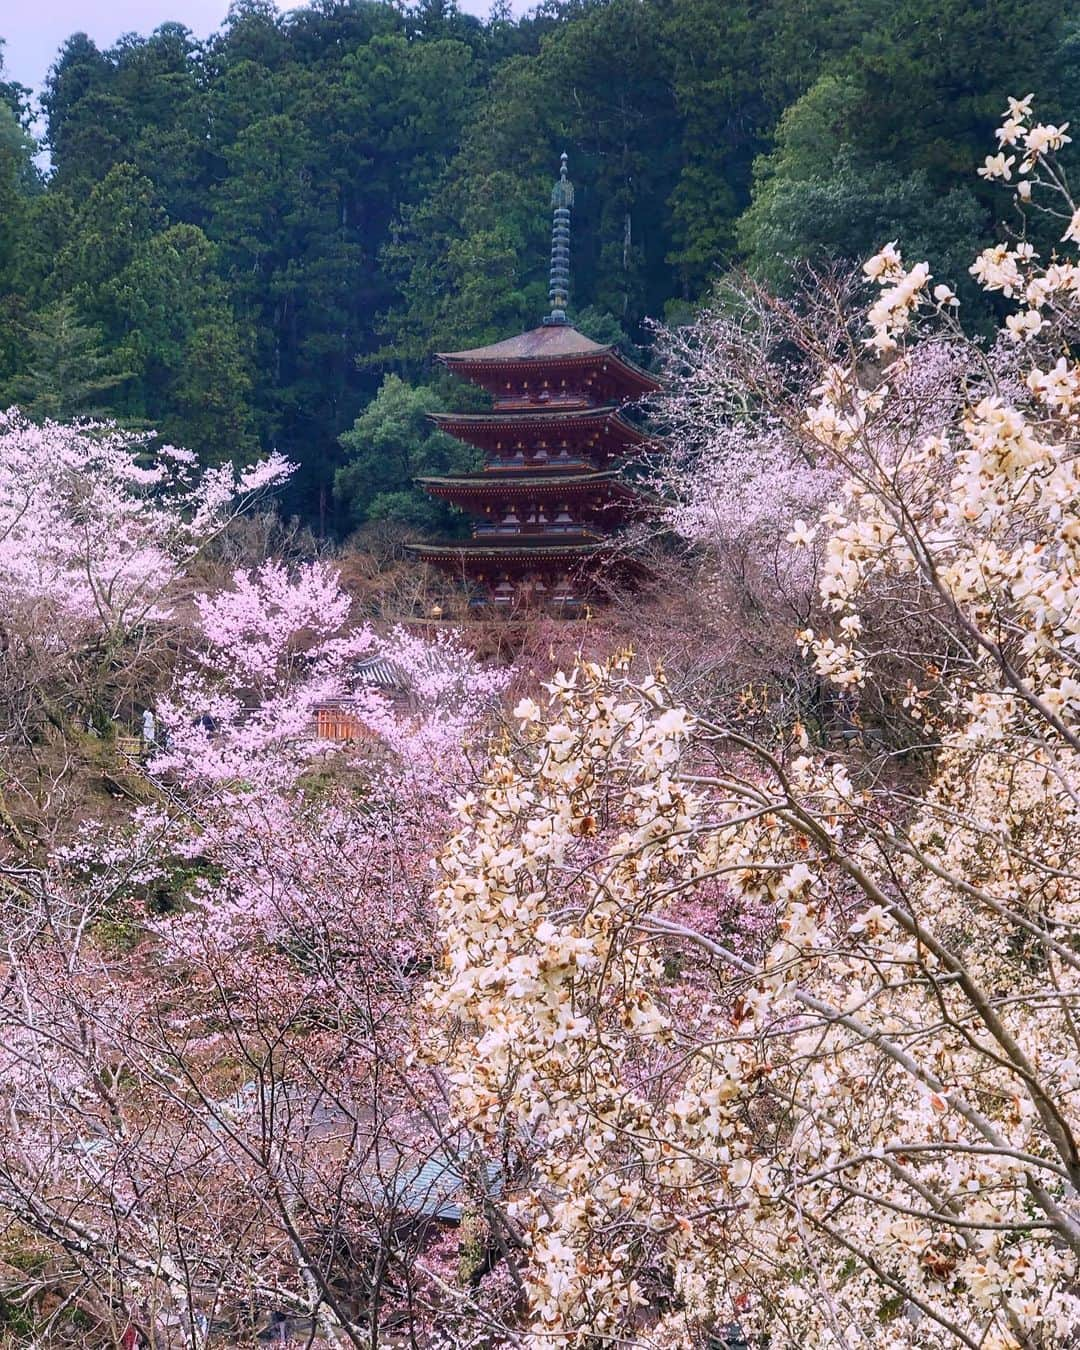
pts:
[544, 547]
[523, 484]
[544, 346]
[607, 417]
[538, 344]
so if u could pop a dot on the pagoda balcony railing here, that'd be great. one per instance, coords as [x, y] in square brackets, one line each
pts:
[530, 528]
[563, 597]
[538, 402]
[503, 463]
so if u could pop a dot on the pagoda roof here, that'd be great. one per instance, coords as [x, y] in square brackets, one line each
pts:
[548, 484]
[549, 341]
[550, 344]
[608, 415]
[543, 548]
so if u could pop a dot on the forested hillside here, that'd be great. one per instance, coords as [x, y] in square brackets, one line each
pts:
[239, 241]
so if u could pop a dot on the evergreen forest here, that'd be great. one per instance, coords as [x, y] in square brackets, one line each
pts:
[258, 241]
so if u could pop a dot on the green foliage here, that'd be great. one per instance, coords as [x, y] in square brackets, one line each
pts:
[819, 198]
[390, 444]
[17, 150]
[119, 215]
[714, 50]
[170, 313]
[19, 182]
[598, 324]
[13, 96]
[884, 144]
[209, 396]
[67, 369]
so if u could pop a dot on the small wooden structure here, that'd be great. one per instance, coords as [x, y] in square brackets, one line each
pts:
[342, 719]
[335, 722]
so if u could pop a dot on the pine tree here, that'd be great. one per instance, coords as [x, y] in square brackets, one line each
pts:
[68, 369]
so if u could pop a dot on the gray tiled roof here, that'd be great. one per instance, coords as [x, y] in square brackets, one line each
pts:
[435, 1189]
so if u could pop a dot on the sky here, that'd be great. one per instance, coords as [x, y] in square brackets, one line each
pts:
[33, 30]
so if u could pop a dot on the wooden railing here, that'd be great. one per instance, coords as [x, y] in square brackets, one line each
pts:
[340, 724]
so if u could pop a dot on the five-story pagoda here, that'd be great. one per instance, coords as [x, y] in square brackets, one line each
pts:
[549, 494]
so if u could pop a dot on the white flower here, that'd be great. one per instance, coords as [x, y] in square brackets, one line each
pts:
[801, 535]
[462, 807]
[1046, 138]
[884, 266]
[996, 269]
[1025, 325]
[1009, 131]
[997, 166]
[881, 342]
[1020, 108]
[796, 878]
[740, 1172]
[674, 722]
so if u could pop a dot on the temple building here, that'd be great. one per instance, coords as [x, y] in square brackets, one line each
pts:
[549, 496]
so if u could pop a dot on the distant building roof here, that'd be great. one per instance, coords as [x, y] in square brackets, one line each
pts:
[535, 548]
[380, 672]
[546, 347]
[548, 484]
[533, 419]
[436, 1188]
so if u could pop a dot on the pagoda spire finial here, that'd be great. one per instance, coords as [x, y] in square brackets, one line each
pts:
[562, 199]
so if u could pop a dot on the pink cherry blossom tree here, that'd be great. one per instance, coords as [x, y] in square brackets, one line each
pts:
[228, 1115]
[738, 490]
[94, 526]
[97, 533]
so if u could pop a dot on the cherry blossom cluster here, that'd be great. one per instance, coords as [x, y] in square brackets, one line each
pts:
[94, 525]
[238, 743]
